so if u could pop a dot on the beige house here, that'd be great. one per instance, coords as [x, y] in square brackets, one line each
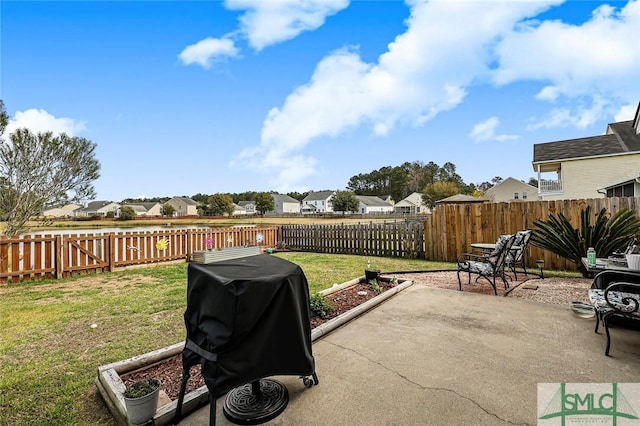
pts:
[98, 208]
[145, 209]
[64, 211]
[183, 206]
[591, 167]
[511, 189]
[411, 204]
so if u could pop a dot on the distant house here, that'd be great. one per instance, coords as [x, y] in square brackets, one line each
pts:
[412, 204]
[238, 210]
[512, 189]
[285, 204]
[386, 198]
[590, 167]
[145, 209]
[98, 208]
[64, 211]
[461, 199]
[248, 206]
[317, 202]
[183, 206]
[373, 204]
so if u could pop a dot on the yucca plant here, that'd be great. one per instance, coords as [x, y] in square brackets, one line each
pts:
[606, 235]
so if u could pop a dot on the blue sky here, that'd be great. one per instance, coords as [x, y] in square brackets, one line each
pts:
[191, 97]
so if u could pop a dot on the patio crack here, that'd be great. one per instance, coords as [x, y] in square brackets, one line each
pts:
[422, 387]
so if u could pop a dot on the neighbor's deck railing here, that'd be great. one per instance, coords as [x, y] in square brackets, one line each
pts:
[549, 186]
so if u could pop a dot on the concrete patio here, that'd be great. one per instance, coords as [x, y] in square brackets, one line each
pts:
[433, 356]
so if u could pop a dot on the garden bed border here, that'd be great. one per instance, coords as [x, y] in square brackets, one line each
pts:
[111, 386]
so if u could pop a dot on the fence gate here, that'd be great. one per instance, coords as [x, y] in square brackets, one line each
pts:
[85, 253]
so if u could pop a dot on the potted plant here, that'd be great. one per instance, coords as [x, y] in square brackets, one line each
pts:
[141, 400]
[371, 273]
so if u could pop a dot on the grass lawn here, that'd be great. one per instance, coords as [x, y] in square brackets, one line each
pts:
[49, 353]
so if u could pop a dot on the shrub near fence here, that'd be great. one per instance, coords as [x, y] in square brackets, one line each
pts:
[390, 239]
[452, 228]
[56, 256]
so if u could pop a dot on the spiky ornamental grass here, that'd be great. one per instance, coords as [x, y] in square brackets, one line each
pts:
[607, 235]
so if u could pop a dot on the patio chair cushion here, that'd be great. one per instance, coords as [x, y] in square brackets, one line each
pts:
[596, 296]
[500, 242]
[480, 268]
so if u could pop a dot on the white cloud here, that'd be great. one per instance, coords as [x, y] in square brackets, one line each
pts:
[626, 112]
[269, 22]
[486, 131]
[425, 71]
[263, 23]
[595, 62]
[580, 116]
[207, 51]
[39, 120]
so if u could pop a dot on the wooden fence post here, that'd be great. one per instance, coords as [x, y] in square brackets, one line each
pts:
[59, 259]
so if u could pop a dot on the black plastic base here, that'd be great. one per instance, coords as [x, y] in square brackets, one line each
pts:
[256, 403]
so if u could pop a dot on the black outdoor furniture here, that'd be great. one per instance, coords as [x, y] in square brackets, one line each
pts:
[517, 256]
[488, 267]
[616, 298]
[247, 319]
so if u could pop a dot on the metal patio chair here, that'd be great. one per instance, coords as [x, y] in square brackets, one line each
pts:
[488, 267]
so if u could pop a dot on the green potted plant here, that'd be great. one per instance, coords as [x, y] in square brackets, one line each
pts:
[141, 400]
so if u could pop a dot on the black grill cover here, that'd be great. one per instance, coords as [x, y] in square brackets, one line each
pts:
[246, 319]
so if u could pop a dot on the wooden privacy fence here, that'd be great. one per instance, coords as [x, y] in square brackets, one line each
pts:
[451, 228]
[391, 239]
[56, 256]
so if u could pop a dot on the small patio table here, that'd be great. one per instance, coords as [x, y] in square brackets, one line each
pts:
[604, 264]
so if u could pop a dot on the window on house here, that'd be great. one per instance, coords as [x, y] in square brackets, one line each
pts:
[515, 195]
[621, 191]
[524, 195]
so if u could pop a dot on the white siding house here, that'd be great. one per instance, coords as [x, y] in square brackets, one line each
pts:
[372, 204]
[285, 204]
[317, 202]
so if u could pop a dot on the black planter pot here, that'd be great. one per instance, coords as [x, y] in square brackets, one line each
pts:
[371, 275]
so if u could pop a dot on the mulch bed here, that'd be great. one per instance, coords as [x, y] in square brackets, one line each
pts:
[169, 371]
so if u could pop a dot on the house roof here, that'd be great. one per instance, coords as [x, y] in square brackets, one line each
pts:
[186, 200]
[621, 138]
[372, 201]
[284, 198]
[246, 203]
[309, 207]
[96, 205]
[320, 195]
[461, 198]
[508, 180]
[630, 179]
[141, 207]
